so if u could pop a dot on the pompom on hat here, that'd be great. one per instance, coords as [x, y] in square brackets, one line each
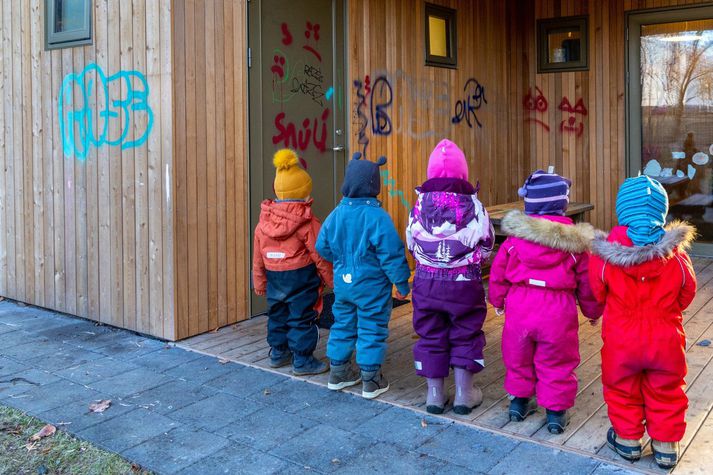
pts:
[642, 205]
[292, 182]
[545, 193]
[447, 161]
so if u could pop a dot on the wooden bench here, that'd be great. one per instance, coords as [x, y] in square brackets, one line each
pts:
[575, 211]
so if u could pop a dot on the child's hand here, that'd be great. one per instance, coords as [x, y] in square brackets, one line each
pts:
[499, 312]
[400, 296]
[259, 293]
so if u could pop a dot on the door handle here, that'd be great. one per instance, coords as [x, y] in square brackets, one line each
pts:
[338, 148]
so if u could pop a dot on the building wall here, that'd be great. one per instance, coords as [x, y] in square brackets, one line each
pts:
[386, 39]
[86, 228]
[210, 156]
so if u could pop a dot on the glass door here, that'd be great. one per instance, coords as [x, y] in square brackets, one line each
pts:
[670, 110]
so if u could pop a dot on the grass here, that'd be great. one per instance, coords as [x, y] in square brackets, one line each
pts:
[58, 454]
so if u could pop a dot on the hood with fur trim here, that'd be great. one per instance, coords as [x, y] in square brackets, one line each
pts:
[557, 234]
[616, 248]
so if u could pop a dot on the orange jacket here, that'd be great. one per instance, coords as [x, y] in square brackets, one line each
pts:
[284, 240]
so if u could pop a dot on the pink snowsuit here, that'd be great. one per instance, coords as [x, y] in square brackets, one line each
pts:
[539, 274]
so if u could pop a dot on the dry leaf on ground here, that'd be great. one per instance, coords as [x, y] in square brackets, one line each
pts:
[46, 431]
[100, 406]
[424, 424]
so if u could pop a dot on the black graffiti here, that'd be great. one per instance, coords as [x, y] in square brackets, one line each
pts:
[465, 109]
[362, 119]
[314, 73]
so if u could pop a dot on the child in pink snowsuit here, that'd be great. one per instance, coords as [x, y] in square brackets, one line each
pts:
[539, 274]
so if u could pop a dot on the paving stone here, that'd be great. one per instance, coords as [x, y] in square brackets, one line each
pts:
[215, 412]
[130, 347]
[170, 396]
[65, 357]
[239, 459]
[18, 383]
[79, 333]
[131, 382]
[127, 430]
[175, 450]
[535, 459]
[8, 366]
[166, 358]
[607, 469]
[389, 458]
[344, 410]
[245, 382]
[471, 448]
[102, 368]
[39, 399]
[42, 320]
[294, 395]
[29, 347]
[203, 369]
[409, 427]
[8, 327]
[320, 445]
[266, 428]
[76, 417]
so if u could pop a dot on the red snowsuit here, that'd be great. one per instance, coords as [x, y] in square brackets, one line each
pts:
[645, 289]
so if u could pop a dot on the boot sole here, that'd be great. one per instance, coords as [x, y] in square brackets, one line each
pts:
[517, 417]
[624, 455]
[309, 373]
[374, 394]
[433, 409]
[464, 410]
[281, 364]
[342, 385]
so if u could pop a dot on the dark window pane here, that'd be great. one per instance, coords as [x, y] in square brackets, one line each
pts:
[69, 15]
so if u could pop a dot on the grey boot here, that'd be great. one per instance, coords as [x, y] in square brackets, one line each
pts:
[373, 384]
[342, 376]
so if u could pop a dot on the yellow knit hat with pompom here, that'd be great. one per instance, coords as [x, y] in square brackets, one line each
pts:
[292, 182]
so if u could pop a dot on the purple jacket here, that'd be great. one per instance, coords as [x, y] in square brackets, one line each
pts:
[449, 232]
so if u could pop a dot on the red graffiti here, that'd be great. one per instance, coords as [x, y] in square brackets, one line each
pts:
[289, 136]
[535, 104]
[286, 35]
[367, 84]
[570, 124]
[278, 66]
[312, 32]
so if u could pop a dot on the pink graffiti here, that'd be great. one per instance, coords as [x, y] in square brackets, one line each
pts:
[312, 32]
[286, 35]
[278, 66]
[570, 124]
[289, 136]
[535, 104]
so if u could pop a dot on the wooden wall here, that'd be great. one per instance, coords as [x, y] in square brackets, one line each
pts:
[386, 38]
[88, 235]
[210, 156]
[596, 159]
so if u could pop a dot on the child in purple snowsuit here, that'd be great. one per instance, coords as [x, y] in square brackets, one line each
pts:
[539, 274]
[450, 235]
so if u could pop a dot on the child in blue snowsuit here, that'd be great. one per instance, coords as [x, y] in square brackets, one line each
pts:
[360, 239]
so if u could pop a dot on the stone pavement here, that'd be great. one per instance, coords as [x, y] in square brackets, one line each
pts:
[174, 411]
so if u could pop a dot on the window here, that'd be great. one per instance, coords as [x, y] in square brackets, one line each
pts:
[67, 23]
[562, 44]
[441, 38]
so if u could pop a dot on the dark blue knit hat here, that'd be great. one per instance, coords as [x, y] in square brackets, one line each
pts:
[545, 193]
[642, 205]
[362, 178]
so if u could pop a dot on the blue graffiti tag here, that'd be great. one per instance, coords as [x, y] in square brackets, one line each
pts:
[77, 118]
[391, 188]
[465, 109]
[381, 98]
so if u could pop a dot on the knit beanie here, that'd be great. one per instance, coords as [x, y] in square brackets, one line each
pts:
[545, 193]
[362, 179]
[642, 205]
[292, 182]
[447, 161]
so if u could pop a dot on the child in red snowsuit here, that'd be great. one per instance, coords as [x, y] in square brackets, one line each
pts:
[643, 274]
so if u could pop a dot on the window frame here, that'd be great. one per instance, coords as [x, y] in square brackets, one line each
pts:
[451, 17]
[67, 39]
[544, 26]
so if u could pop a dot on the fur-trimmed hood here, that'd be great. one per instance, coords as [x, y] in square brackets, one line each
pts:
[616, 249]
[570, 238]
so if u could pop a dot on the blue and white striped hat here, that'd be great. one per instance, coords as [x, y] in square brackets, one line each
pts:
[545, 193]
[642, 205]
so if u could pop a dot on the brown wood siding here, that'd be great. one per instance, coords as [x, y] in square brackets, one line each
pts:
[386, 38]
[210, 155]
[90, 236]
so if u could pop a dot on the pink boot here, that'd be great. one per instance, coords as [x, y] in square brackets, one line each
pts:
[436, 399]
[467, 396]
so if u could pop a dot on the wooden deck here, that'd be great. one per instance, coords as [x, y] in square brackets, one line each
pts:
[245, 343]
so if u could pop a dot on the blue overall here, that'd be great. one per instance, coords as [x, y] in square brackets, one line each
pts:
[361, 241]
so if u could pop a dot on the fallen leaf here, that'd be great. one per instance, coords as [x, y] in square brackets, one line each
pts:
[46, 431]
[215, 330]
[267, 392]
[424, 424]
[223, 361]
[100, 406]
[30, 446]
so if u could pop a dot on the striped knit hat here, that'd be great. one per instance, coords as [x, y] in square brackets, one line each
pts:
[545, 193]
[642, 205]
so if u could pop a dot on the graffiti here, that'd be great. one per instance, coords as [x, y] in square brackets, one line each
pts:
[329, 93]
[289, 136]
[570, 125]
[312, 31]
[535, 104]
[78, 125]
[465, 109]
[310, 84]
[392, 190]
[278, 66]
[362, 119]
[381, 98]
[286, 35]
